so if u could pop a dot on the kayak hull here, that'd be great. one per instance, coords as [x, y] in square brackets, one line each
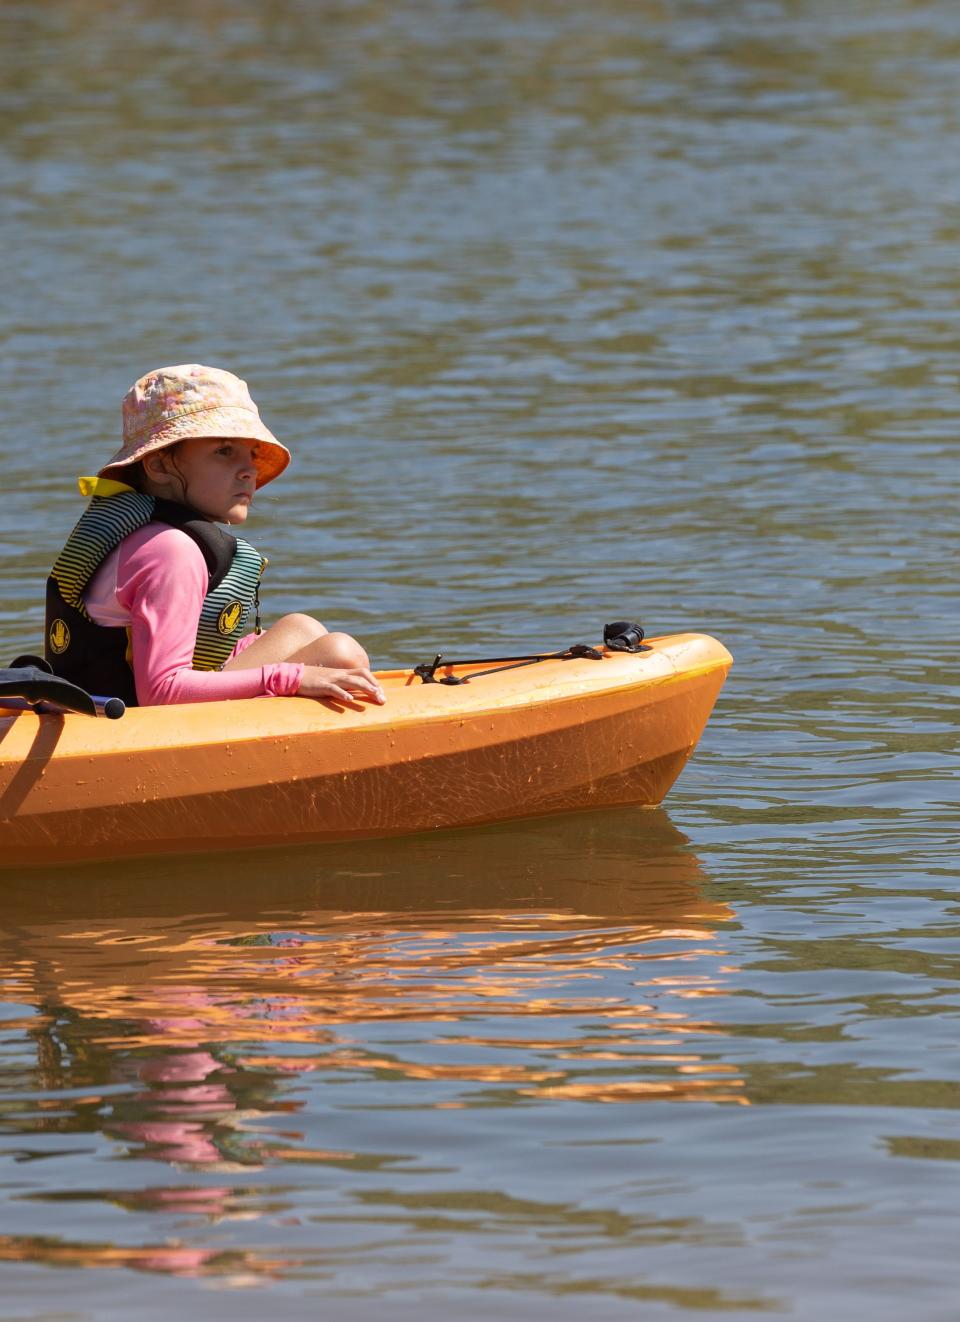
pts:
[553, 737]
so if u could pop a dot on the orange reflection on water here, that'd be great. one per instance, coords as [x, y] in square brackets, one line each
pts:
[240, 1267]
[691, 1090]
[192, 1036]
[345, 1060]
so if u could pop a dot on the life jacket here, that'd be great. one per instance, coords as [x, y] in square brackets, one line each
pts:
[96, 656]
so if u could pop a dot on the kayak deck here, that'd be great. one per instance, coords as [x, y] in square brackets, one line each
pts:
[551, 737]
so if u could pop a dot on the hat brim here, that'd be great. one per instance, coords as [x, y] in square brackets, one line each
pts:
[211, 424]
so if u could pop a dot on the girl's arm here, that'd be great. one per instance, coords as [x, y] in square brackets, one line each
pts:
[162, 582]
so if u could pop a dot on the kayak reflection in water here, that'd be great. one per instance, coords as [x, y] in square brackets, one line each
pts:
[150, 599]
[579, 958]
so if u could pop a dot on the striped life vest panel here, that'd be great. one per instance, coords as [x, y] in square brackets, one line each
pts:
[97, 656]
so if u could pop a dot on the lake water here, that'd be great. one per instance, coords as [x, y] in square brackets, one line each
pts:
[569, 314]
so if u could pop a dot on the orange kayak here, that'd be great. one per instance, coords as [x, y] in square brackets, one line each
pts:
[552, 737]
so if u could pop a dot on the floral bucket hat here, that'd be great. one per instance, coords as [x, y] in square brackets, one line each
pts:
[179, 403]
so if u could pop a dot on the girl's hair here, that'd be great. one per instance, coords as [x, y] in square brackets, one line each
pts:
[133, 475]
[136, 476]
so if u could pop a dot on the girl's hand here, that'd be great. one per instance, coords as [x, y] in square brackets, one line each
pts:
[341, 685]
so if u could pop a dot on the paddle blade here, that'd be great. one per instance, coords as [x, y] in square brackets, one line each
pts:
[36, 685]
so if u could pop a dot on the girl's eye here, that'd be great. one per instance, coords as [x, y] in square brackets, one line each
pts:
[224, 449]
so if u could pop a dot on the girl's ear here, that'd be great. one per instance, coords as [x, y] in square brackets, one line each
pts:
[153, 465]
[161, 475]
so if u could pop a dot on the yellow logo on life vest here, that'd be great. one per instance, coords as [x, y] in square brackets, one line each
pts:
[59, 637]
[230, 617]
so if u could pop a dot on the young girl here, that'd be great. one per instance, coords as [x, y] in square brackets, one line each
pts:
[150, 599]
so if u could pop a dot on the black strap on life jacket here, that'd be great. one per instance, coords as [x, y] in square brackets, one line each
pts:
[217, 546]
[618, 637]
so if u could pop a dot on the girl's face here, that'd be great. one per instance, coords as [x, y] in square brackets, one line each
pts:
[217, 477]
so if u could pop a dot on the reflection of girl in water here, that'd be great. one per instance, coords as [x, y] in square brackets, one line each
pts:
[183, 1103]
[189, 1107]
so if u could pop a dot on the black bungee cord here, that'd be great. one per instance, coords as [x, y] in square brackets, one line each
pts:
[621, 636]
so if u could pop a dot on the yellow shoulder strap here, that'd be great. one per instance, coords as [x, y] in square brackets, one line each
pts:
[101, 486]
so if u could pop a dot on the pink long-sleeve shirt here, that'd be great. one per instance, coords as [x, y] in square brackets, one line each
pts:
[154, 583]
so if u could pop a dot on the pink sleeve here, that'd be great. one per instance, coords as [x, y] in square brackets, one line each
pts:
[162, 582]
